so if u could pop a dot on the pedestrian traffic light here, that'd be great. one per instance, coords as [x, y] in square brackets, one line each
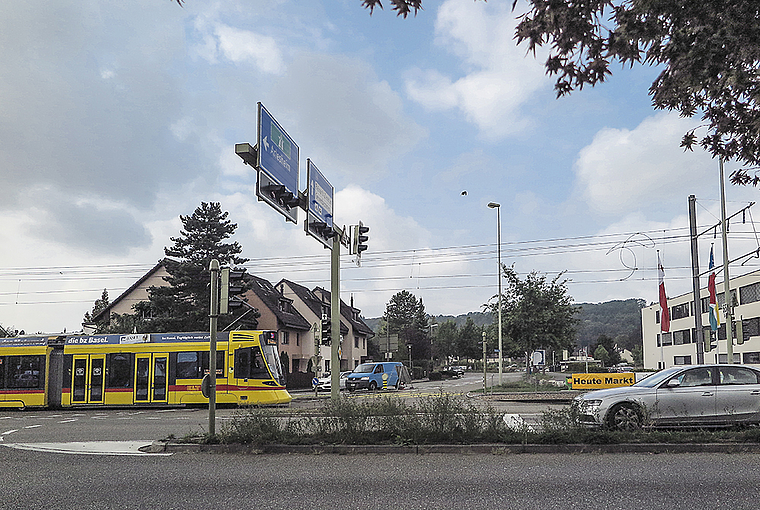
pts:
[360, 238]
[326, 330]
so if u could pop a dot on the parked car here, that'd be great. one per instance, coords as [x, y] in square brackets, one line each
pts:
[378, 375]
[455, 371]
[701, 395]
[324, 383]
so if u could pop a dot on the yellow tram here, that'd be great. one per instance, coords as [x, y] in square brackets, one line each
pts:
[139, 369]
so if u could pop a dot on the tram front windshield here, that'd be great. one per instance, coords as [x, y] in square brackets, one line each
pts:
[273, 360]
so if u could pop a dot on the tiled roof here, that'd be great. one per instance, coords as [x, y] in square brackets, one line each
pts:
[272, 298]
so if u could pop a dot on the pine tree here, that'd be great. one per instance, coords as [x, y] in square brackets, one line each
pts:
[184, 304]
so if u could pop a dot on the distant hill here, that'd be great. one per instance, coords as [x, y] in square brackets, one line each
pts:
[619, 320]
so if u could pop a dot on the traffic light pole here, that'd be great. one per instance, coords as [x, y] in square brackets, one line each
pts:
[213, 315]
[335, 318]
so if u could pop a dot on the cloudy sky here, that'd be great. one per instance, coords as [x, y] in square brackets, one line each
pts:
[117, 117]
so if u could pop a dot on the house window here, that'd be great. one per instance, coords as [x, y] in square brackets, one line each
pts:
[682, 360]
[705, 304]
[752, 358]
[679, 311]
[681, 337]
[667, 339]
[298, 339]
[749, 293]
[284, 337]
[750, 327]
[356, 342]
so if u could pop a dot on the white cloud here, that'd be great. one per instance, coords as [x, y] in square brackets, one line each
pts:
[240, 45]
[348, 120]
[499, 78]
[624, 170]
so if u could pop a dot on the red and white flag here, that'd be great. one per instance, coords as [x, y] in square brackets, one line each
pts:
[664, 311]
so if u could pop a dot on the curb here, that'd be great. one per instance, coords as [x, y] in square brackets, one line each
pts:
[475, 449]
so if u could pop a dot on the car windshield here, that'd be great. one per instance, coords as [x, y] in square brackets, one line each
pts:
[656, 378]
[364, 368]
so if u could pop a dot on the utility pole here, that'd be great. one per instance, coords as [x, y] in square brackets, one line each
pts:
[695, 281]
[726, 280]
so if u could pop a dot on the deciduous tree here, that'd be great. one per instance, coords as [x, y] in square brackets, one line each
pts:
[536, 313]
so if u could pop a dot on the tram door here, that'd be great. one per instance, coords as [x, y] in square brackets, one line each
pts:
[88, 379]
[151, 377]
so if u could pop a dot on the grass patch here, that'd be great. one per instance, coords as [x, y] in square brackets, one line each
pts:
[442, 419]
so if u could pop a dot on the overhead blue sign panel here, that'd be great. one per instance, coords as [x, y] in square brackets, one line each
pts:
[319, 215]
[277, 165]
[320, 194]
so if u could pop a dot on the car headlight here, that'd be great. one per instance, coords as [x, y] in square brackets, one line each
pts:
[365, 378]
[591, 403]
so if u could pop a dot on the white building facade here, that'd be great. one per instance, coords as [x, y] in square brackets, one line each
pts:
[679, 345]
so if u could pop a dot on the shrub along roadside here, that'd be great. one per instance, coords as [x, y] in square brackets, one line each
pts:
[443, 419]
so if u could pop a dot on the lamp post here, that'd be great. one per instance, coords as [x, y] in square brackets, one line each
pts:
[494, 205]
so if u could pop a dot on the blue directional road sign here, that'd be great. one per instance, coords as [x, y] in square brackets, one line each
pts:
[319, 215]
[278, 166]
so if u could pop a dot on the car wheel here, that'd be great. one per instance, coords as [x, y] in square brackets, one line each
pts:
[624, 417]
[372, 386]
[352, 389]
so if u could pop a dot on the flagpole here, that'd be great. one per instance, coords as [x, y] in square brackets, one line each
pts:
[726, 280]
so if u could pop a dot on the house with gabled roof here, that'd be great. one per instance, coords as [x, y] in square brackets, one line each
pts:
[279, 314]
[314, 305]
[288, 308]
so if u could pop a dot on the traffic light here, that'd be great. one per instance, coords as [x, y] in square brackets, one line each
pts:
[360, 238]
[326, 330]
[232, 284]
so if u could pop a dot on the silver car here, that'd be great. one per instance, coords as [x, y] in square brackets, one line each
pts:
[700, 395]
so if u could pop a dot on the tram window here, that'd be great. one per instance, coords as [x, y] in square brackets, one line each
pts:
[220, 373]
[25, 372]
[250, 364]
[258, 365]
[119, 370]
[2, 372]
[243, 363]
[187, 365]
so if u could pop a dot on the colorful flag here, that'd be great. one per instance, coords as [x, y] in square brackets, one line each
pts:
[714, 311]
[664, 313]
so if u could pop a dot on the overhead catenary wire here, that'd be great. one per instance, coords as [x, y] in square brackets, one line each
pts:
[127, 273]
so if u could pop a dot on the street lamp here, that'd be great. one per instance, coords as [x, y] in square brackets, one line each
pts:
[494, 205]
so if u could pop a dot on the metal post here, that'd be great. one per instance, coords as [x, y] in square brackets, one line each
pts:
[726, 280]
[695, 280]
[335, 318]
[496, 206]
[484, 362]
[213, 314]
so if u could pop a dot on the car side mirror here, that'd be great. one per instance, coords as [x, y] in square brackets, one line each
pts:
[673, 383]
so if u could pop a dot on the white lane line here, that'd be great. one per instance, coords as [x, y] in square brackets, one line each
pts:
[9, 432]
[91, 448]
[68, 421]
[32, 426]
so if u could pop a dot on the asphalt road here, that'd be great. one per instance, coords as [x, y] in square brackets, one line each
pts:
[149, 424]
[32, 480]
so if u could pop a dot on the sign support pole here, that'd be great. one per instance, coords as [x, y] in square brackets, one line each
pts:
[335, 318]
